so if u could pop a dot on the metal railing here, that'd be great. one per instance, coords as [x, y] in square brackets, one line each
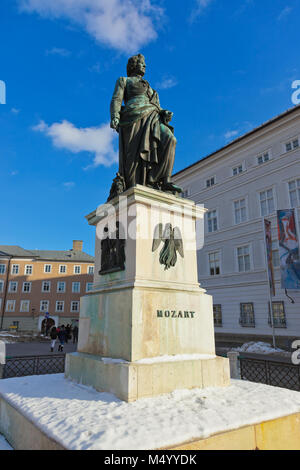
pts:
[33, 365]
[278, 374]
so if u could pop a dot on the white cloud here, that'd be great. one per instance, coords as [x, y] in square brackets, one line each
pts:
[230, 134]
[58, 51]
[167, 82]
[96, 140]
[125, 25]
[284, 13]
[69, 185]
[241, 129]
[201, 6]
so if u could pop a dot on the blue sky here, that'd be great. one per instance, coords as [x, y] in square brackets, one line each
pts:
[222, 66]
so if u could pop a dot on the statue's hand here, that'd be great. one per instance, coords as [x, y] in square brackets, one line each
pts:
[114, 124]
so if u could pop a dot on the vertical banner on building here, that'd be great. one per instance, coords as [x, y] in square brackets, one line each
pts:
[268, 242]
[288, 249]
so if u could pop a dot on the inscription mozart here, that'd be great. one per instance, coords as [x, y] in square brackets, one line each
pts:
[175, 314]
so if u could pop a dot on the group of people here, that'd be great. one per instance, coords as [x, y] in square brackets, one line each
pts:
[63, 334]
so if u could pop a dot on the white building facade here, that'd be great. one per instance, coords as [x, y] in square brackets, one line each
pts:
[239, 185]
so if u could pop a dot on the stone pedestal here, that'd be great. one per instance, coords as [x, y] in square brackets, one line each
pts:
[146, 330]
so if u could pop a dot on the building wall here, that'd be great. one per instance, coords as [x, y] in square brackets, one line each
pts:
[32, 319]
[231, 287]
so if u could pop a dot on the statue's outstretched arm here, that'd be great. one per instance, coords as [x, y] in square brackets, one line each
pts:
[116, 103]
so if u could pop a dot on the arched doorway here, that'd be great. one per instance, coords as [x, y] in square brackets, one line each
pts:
[47, 324]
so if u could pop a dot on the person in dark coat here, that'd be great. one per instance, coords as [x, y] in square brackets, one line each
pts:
[53, 336]
[68, 333]
[75, 334]
[61, 337]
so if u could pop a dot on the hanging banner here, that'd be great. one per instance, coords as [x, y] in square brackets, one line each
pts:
[288, 249]
[268, 242]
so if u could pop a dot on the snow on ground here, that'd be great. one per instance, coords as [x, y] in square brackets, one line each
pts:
[7, 338]
[81, 418]
[258, 347]
[4, 445]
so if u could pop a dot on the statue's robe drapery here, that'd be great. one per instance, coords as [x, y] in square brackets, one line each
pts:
[146, 145]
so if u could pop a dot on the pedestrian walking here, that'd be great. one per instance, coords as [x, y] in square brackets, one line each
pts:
[53, 336]
[75, 334]
[61, 336]
[68, 333]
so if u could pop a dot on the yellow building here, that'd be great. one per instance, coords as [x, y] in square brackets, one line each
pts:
[36, 284]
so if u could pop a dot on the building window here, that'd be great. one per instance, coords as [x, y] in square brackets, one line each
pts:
[247, 318]
[279, 318]
[214, 263]
[60, 306]
[47, 268]
[2, 268]
[185, 193]
[240, 213]
[212, 221]
[75, 306]
[46, 286]
[77, 269]
[243, 255]
[294, 192]
[217, 315]
[62, 269]
[266, 202]
[10, 305]
[292, 145]
[24, 307]
[28, 269]
[91, 270]
[1, 286]
[44, 305]
[61, 286]
[75, 287]
[89, 286]
[210, 182]
[275, 254]
[237, 170]
[263, 158]
[15, 269]
[13, 286]
[26, 287]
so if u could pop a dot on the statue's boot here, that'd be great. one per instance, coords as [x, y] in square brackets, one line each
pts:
[167, 185]
[153, 184]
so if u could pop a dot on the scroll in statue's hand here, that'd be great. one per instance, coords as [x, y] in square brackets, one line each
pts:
[114, 124]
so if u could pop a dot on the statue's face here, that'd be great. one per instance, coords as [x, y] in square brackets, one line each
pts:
[141, 67]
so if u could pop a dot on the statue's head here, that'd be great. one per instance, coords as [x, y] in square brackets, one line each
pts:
[136, 65]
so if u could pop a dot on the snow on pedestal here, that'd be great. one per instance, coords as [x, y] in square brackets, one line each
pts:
[80, 418]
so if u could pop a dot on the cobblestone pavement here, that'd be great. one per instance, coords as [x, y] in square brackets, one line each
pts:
[36, 348]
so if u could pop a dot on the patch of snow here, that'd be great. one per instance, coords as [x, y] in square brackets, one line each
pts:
[177, 357]
[80, 418]
[152, 360]
[110, 360]
[4, 445]
[258, 347]
[8, 334]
